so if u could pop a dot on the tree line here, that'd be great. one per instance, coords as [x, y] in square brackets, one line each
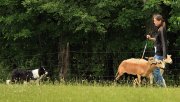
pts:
[57, 33]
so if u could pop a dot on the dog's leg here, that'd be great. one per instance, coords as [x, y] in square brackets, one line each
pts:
[8, 82]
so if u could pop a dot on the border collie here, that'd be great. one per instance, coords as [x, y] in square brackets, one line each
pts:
[22, 76]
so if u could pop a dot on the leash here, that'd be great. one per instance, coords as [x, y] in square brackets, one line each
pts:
[144, 50]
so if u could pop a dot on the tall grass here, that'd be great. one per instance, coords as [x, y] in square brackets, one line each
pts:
[86, 93]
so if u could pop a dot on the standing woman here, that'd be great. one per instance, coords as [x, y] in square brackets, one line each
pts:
[160, 45]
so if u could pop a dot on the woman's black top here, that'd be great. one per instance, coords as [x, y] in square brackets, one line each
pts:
[161, 42]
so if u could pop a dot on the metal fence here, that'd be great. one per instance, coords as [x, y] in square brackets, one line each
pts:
[102, 66]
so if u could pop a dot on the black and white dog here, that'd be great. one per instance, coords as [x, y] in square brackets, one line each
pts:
[22, 76]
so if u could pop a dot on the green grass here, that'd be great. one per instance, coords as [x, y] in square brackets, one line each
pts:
[86, 93]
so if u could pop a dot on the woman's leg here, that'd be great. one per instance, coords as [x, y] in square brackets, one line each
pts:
[157, 74]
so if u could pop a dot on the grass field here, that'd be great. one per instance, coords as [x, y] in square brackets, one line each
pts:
[86, 93]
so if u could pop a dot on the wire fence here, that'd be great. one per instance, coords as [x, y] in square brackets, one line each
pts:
[101, 66]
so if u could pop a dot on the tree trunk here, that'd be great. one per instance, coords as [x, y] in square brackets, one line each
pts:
[63, 63]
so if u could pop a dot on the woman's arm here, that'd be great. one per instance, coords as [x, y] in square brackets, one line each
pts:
[150, 38]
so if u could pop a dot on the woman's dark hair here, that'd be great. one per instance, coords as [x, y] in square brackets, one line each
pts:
[159, 17]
